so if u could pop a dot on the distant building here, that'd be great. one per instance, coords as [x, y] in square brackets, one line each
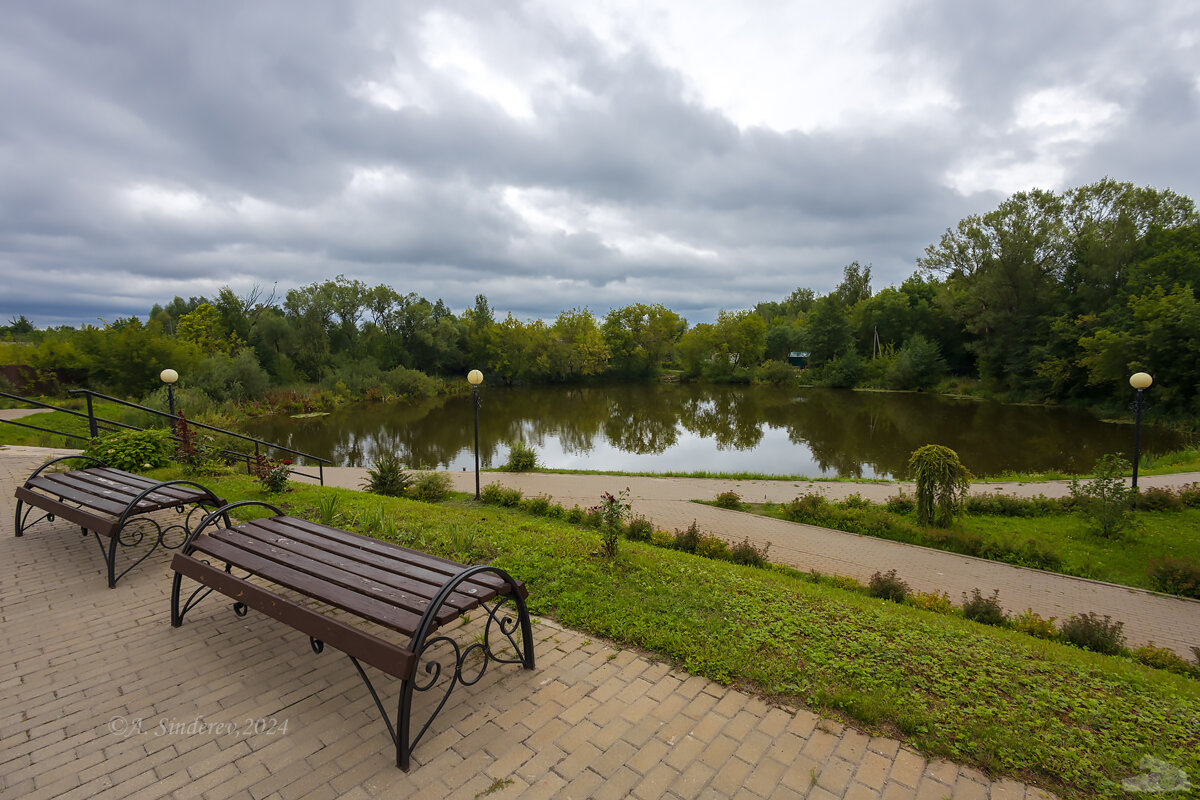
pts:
[798, 359]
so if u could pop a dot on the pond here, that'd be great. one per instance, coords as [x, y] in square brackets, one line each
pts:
[815, 432]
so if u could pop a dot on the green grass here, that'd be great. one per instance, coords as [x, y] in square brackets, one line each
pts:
[55, 421]
[726, 476]
[1124, 560]
[1066, 719]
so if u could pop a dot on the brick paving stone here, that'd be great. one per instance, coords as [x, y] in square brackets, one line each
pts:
[967, 789]
[592, 720]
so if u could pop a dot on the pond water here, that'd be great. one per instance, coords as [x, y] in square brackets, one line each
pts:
[682, 427]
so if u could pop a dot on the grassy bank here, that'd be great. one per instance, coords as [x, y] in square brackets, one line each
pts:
[1073, 721]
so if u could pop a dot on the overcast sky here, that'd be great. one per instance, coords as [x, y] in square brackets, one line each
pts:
[555, 153]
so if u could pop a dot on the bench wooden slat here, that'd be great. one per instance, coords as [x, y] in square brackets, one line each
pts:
[117, 483]
[112, 503]
[110, 497]
[444, 567]
[80, 516]
[366, 647]
[410, 564]
[403, 587]
[262, 562]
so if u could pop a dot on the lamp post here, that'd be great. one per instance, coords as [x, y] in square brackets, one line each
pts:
[169, 376]
[1140, 381]
[475, 377]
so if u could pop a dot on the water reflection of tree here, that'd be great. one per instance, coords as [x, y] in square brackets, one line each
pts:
[731, 417]
[846, 432]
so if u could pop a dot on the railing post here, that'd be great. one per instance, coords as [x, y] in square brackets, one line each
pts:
[91, 417]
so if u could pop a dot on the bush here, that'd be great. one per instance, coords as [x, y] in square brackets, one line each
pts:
[273, 475]
[900, 504]
[887, 586]
[1189, 495]
[1029, 622]
[538, 506]
[1165, 658]
[521, 458]
[387, 476]
[575, 515]
[918, 365]
[430, 487]
[640, 529]
[777, 373]
[998, 504]
[744, 552]
[730, 499]
[662, 539]
[614, 509]
[984, 609]
[495, 494]
[687, 540]
[412, 383]
[938, 602]
[713, 547]
[809, 507]
[1091, 632]
[855, 501]
[1179, 576]
[942, 484]
[1105, 500]
[1156, 499]
[133, 451]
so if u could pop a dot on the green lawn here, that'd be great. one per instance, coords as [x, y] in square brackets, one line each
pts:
[1124, 561]
[1066, 719]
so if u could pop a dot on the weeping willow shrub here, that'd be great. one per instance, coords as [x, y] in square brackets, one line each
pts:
[942, 484]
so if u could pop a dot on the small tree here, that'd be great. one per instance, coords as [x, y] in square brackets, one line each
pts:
[1105, 500]
[942, 484]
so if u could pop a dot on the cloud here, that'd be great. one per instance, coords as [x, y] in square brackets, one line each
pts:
[552, 156]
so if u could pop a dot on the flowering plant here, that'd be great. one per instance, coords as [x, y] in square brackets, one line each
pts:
[273, 475]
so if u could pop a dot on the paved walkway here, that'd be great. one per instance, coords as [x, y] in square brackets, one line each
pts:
[1168, 621]
[101, 698]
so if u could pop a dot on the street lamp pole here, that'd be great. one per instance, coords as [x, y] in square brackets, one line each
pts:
[169, 376]
[475, 377]
[1140, 381]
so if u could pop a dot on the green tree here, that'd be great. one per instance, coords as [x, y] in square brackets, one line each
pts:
[639, 337]
[827, 331]
[942, 484]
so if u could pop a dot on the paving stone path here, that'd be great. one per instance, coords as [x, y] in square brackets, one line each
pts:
[101, 698]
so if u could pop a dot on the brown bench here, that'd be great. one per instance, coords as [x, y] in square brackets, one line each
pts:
[113, 503]
[366, 591]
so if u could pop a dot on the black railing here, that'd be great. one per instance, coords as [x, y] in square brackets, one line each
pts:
[96, 424]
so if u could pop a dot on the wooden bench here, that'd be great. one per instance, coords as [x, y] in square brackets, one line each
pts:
[110, 502]
[366, 591]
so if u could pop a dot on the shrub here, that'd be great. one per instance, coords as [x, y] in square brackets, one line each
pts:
[575, 515]
[1165, 658]
[273, 475]
[855, 501]
[1028, 621]
[713, 547]
[495, 494]
[614, 509]
[942, 483]
[1179, 576]
[1189, 495]
[663, 539]
[984, 609]
[521, 458]
[809, 507]
[132, 451]
[195, 449]
[730, 499]
[900, 504]
[887, 586]
[1091, 632]
[836, 581]
[1156, 499]
[744, 552]
[1005, 505]
[1105, 500]
[387, 476]
[538, 506]
[687, 540]
[430, 487]
[938, 602]
[640, 529]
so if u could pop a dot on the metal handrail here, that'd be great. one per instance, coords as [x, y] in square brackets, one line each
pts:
[94, 421]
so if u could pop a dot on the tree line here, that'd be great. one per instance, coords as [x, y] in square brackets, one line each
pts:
[1050, 297]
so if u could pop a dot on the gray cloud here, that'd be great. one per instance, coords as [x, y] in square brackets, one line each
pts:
[170, 149]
